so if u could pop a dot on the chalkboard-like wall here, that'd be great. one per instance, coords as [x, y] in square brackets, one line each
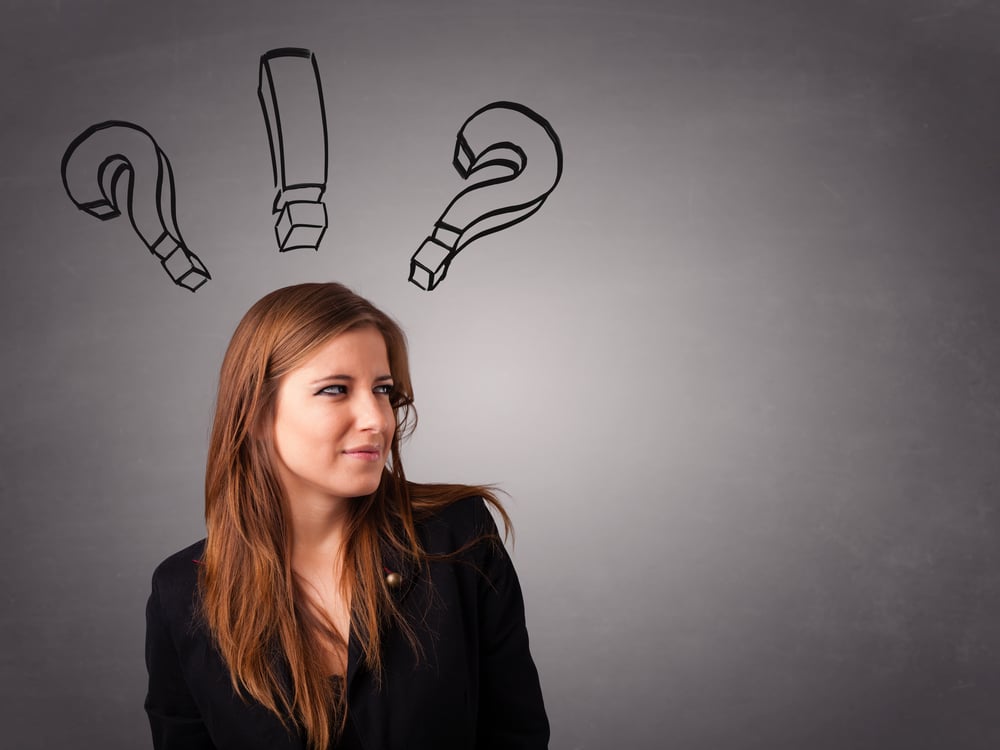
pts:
[737, 368]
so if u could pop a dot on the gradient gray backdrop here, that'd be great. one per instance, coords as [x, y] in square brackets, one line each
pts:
[738, 375]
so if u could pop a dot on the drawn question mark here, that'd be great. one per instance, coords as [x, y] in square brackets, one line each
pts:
[523, 153]
[291, 97]
[111, 151]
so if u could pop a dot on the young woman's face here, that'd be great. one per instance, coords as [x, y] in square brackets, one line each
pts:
[333, 421]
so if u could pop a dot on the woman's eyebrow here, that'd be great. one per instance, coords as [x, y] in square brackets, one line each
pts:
[349, 378]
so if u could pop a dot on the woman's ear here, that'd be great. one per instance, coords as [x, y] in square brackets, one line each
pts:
[262, 430]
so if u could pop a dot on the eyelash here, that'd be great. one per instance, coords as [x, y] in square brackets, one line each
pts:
[381, 390]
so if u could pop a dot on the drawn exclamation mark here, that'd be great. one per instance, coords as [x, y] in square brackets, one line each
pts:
[291, 97]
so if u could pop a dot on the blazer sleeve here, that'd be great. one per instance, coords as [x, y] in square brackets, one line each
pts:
[511, 711]
[174, 717]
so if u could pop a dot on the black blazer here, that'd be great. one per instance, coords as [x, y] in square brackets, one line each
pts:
[476, 685]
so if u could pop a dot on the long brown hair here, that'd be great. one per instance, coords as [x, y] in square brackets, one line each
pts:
[250, 598]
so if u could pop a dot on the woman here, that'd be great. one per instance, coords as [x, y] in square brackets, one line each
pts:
[333, 603]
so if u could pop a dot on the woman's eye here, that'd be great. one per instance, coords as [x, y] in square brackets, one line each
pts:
[334, 390]
[384, 389]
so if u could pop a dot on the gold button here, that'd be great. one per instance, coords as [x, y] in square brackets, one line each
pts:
[393, 580]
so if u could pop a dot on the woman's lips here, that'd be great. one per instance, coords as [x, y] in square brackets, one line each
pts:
[364, 453]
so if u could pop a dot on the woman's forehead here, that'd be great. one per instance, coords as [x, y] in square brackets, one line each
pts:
[359, 348]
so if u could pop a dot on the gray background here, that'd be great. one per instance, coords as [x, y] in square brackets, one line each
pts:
[738, 375]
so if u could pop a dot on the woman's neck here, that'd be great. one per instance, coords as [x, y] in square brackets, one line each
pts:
[318, 531]
[318, 527]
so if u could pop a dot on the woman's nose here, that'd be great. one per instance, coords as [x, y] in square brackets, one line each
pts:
[370, 413]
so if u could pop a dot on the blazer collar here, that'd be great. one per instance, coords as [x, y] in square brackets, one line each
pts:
[405, 570]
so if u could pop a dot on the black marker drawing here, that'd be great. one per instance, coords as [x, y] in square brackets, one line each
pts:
[504, 136]
[92, 169]
[291, 97]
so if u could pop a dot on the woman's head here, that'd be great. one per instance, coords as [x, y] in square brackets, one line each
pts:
[282, 332]
[333, 422]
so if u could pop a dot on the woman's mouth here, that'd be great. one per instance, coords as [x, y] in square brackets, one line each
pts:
[364, 452]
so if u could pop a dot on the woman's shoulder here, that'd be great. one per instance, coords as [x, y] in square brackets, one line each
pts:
[468, 513]
[457, 524]
[178, 574]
